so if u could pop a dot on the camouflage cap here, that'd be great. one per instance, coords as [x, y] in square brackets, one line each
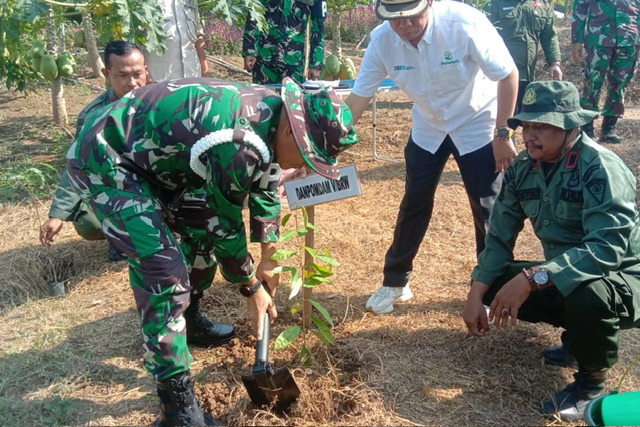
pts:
[322, 125]
[553, 102]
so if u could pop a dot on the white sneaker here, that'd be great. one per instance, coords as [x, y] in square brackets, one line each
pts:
[382, 301]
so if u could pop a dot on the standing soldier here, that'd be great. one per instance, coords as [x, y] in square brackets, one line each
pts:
[523, 25]
[607, 31]
[279, 50]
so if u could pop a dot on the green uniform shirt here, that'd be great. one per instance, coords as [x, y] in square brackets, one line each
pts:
[586, 217]
[523, 24]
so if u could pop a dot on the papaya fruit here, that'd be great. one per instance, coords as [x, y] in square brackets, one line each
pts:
[332, 65]
[324, 75]
[48, 67]
[79, 39]
[35, 63]
[38, 49]
[65, 67]
[347, 69]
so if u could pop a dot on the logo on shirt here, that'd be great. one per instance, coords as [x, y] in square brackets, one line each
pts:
[448, 58]
[403, 67]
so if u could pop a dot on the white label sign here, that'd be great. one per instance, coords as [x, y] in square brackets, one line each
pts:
[316, 189]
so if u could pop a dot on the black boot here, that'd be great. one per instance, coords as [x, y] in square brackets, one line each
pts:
[588, 129]
[609, 130]
[179, 405]
[559, 355]
[202, 332]
[570, 402]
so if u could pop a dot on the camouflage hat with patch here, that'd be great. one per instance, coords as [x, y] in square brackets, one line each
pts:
[555, 103]
[322, 125]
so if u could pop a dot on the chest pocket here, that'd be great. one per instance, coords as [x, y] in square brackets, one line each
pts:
[569, 214]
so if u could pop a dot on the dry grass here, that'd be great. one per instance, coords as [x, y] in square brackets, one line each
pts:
[77, 360]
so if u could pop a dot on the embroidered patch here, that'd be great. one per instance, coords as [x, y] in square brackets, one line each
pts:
[589, 172]
[529, 96]
[572, 160]
[596, 188]
[571, 195]
[574, 179]
[528, 194]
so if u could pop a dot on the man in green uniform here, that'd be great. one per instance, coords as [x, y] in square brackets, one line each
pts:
[135, 161]
[523, 25]
[608, 32]
[279, 50]
[125, 70]
[581, 201]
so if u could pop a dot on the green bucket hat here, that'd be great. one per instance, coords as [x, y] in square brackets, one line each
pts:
[322, 125]
[553, 102]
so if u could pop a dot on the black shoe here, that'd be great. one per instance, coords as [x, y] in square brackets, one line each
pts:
[559, 355]
[115, 255]
[569, 403]
[202, 332]
[588, 129]
[608, 132]
[179, 406]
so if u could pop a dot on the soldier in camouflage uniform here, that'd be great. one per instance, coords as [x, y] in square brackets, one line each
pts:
[279, 50]
[125, 70]
[607, 30]
[133, 163]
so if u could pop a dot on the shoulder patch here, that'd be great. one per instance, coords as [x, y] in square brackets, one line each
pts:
[596, 188]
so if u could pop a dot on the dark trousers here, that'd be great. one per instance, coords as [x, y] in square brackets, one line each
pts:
[423, 171]
[593, 313]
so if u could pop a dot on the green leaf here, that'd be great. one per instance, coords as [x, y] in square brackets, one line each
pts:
[288, 235]
[329, 260]
[285, 219]
[302, 231]
[321, 270]
[311, 251]
[287, 336]
[322, 310]
[296, 285]
[323, 332]
[282, 254]
[306, 356]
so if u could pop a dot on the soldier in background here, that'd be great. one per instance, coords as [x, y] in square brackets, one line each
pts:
[523, 25]
[125, 70]
[607, 32]
[279, 50]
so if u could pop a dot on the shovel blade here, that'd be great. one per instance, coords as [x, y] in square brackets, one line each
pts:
[279, 387]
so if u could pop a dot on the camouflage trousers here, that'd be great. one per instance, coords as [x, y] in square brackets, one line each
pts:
[265, 73]
[170, 257]
[616, 64]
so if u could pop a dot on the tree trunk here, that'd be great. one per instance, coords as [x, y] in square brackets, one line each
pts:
[58, 103]
[337, 43]
[92, 48]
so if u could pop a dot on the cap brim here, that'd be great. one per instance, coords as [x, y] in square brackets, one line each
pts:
[564, 121]
[298, 118]
[386, 11]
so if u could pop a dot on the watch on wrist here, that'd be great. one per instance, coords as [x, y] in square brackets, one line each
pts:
[538, 279]
[249, 290]
[503, 132]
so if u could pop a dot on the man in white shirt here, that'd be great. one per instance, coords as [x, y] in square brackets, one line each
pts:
[185, 55]
[452, 63]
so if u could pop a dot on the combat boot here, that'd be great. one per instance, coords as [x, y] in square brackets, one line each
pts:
[588, 129]
[202, 332]
[179, 406]
[569, 403]
[608, 134]
[559, 355]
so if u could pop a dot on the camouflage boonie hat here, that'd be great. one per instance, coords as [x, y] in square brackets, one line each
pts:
[322, 125]
[554, 102]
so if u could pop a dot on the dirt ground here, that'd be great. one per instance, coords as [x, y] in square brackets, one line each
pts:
[77, 360]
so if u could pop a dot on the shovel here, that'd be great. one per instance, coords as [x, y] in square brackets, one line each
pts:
[265, 385]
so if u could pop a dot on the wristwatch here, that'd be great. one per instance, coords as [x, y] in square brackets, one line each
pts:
[538, 279]
[249, 290]
[503, 132]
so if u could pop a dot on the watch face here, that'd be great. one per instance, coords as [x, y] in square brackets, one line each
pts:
[541, 277]
[246, 291]
[503, 133]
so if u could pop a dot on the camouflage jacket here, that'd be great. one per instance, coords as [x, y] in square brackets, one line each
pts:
[523, 24]
[67, 204]
[605, 23]
[284, 39]
[161, 130]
